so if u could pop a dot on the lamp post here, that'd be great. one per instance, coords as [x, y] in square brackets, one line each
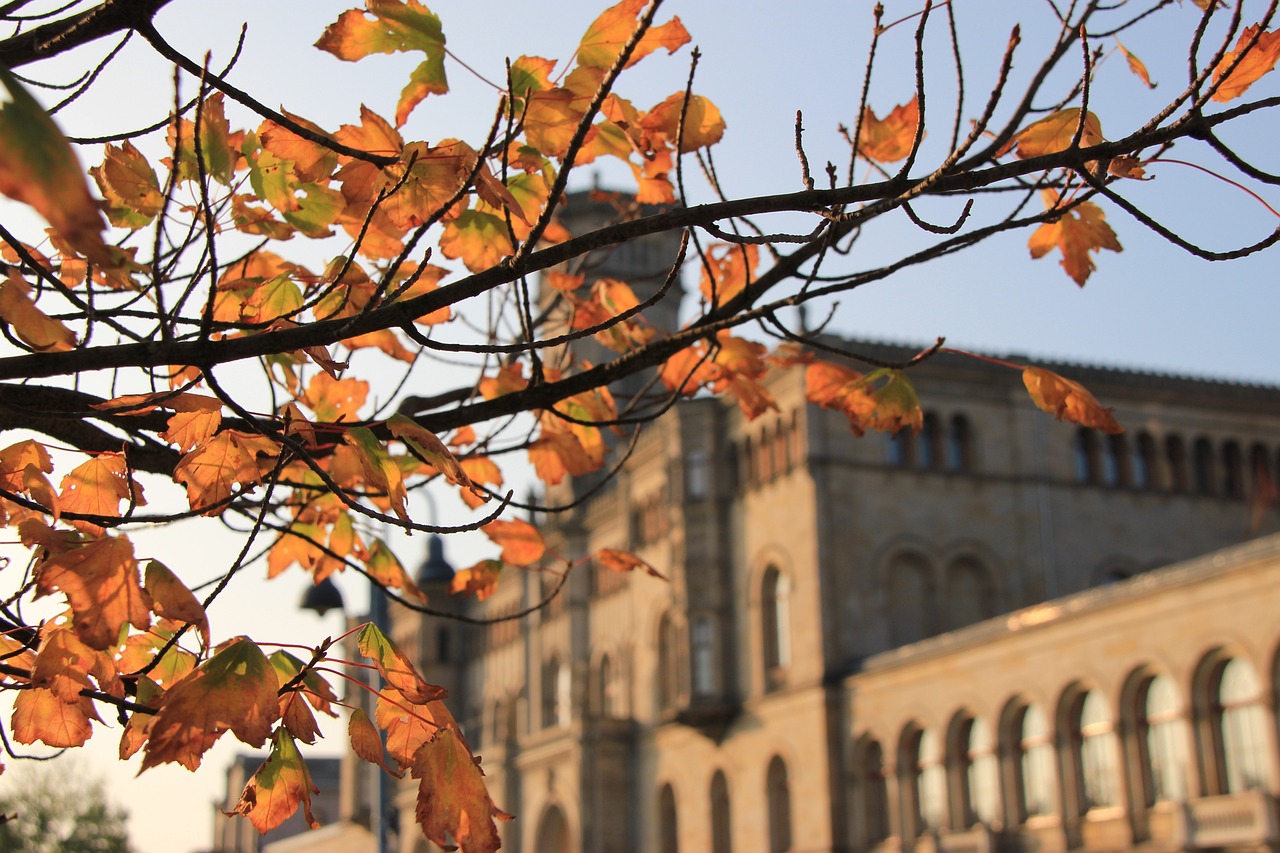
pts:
[325, 596]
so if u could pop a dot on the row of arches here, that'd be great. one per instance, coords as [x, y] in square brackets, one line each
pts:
[943, 444]
[1204, 468]
[1155, 742]
[777, 813]
[926, 597]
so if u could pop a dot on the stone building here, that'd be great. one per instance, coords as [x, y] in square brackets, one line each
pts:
[986, 636]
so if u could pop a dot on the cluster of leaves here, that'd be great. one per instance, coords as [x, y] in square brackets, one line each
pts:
[180, 267]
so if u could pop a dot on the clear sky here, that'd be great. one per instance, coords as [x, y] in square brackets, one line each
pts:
[1151, 307]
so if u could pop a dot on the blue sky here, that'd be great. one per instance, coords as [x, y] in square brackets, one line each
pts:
[1151, 307]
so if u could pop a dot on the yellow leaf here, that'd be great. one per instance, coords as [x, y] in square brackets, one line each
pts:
[1067, 400]
[1080, 231]
[1259, 59]
[1054, 133]
[889, 139]
[35, 328]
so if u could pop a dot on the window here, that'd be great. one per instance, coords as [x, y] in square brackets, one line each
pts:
[670, 664]
[721, 816]
[1176, 454]
[551, 698]
[704, 670]
[553, 832]
[901, 449]
[1115, 461]
[764, 449]
[1202, 467]
[912, 599]
[697, 475]
[1163, 742]
[970, 596]
[781, 450]
[1145, 462]
[1261, 486]
[1086, 456]
[1095, 751]
[959, 451]
[1232, 470]
[775, 623]
[976, 773]
[930, 780]
[605, 698]
[778, 798]
[1035, 765]
[668, 831]
[930, 442]
[872, 789]
[1239, 729]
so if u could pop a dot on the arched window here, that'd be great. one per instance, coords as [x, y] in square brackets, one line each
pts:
[979, 776]
[670, 664]
[668, 830]
[606, 704]
[1240, 729]
[1163, 742]
[930, 778]
[1232, 470]
[1145, 462]
[970, 596]
[1086, 456]
[721, 816]
[1095, 751]
[912, 599]
[704, 668]
[872, 791]
[697, 475]
[555, 693]
[765, 451]
[775, 624]
[553, 832]
[1202, 467]
[900, 449]
[1036, 768]
[1176, 454]
[748, 463]
[1115, 461]
[959, 444]
[778, 799]
[930, 444]
[1261, 485]
[781, 449]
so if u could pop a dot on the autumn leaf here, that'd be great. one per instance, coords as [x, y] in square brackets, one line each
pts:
[1079, 231]
[604, 39]
[319, 694]
[728, 269]
[424, 442]
[97, 487]
[1067, 400]
[173, 600]
[1259, 59]
[408, 726]
[1136, 65]
[1055, 132]
[15, 458]
[278, 788]
[453, 802]
[235, 690]
[67, 666]
[39, 168]
[35, 328]
[395, 667]
[890, 139]
[882, 400]
[480, 470]
[521, 542]
[333, 399]
[101, 583]
[231, 458]
[366, 742]
[392, 26]
[129, 184]
[703, 124]
[380, 470]
[480, 580]
[623, 561]
[41, 717]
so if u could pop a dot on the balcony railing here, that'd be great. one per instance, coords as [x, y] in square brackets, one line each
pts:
[1231, 819]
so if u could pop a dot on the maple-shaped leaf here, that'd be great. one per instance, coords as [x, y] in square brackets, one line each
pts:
[229, 459]
[297, 718]
[510, 379]
[41, 717]
[480, 470]
[173, 600]
[67, 666]
[604, 39]
[140, 651]
[97, 487]
[394, 666]
[37, 485]
[39, 168]
[32, 326]
[235, 690]
[1055, 132]
[703, 124]
[480, 580]
[130, 186]
[392, 26]
[380, 471]
[480, 240]
[728, 270]
[278, 788]
[335, 399]
[15, 458]
[882, 400]
[557, 453]
[1259, 59]
[453, 802]
[318, 692]
[366, 742]
[1078, 233]
[383, 567]
[100, 580]
[624, 561]
[1067, 400]
[408, 726]
[138, 729]
[890, 139]
[521, 543]
[425, 442]
[219, 147]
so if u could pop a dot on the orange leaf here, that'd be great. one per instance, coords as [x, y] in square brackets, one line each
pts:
[728, 270]
[882, 400]
[1081, 230]
[235, 690]
[556, 453]
[889, 139]
[36, 484]
[35, 328]
[480, 469]
[15, 458]
[521, 542]
[394, 666]
[408, 726]
[39, 715]
[1067, 400]
[129, 185]
[1136, 66]
[173, 600]
[510, 379]
[604, 39]
[380, 470]
[333, 399]
[703, 124]
[480, 580]
[1054, 133]
[65, 666]
[230, 458]
[366, 742]
[425, 442]
[623, 561]
[281, 784]
[97, 487]
[453, 803]
[1259, 59]
[100, 581]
